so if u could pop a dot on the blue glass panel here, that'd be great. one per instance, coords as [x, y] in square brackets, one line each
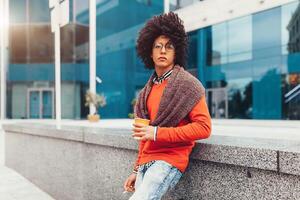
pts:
[193, 50]
[39, 11]
[17, 11]
[267, 96]
[240, 98]
[240, 39]
[269, 74]
[219, 44]
[267, 33]
[178, 4]
[34, 101]
[80, 11]
[290, 26]
[75, 61]
[47, 104]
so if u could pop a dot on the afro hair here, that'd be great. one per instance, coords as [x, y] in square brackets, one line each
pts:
[169, 25]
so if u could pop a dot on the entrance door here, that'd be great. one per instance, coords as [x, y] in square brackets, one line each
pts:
[40, 103]
[217, 100]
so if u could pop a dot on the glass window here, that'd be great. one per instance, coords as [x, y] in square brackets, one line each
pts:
[230, 41]
[267, 95]
[80, 12]
[31, 70]
[39, 11]
[218, 42]
[18, 12]
[230, 98]
[256, 63]
[240, 39]
[291, 96]
[193, 53]
[289, 21]
[30, 84]
[240, 98]
[177, 4]
[267, 33]
[75, 62]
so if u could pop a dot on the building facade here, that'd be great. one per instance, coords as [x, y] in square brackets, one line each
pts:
[249, 62]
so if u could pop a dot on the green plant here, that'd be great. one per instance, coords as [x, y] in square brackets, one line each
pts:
[133, 102]
[97, 100]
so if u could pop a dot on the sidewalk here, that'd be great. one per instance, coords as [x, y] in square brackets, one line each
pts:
[15, 187]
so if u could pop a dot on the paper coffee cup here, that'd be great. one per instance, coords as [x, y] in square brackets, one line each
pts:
[141, 121]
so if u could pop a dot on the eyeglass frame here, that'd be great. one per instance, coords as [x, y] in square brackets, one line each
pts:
[168, 46]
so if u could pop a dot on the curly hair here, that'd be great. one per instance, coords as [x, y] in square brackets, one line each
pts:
[169, 25]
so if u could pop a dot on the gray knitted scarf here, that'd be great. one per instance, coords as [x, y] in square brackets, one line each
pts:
[182, 93]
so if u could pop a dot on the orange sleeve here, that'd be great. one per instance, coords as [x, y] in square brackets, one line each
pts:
[199, 128]
[141, 146]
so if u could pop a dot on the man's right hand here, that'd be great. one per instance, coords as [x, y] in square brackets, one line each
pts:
[129, 183]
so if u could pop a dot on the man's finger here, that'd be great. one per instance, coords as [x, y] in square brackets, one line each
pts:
[138, 129]
[138, 125]
[125, 185]
[138, 134]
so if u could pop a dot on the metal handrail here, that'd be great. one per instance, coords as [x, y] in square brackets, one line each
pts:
[292, 94]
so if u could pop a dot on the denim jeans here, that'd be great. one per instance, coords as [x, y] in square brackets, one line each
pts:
[154, 179]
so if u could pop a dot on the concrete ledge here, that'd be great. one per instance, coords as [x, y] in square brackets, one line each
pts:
[67, 132]
[80, 162]
[249, 152]
[241, 156]
[289, 160]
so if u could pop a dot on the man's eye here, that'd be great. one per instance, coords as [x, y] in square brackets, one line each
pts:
[157, 46]
[170, 46]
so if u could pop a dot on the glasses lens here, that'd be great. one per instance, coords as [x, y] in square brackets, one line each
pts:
[169, 47]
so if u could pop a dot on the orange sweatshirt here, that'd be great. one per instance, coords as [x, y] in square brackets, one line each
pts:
[174, 144]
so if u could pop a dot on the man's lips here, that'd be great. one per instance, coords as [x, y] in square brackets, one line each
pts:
[162, 58]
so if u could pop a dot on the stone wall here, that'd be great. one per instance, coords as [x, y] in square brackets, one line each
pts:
[88, 163]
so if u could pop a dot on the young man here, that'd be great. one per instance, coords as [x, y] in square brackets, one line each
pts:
[174, 101]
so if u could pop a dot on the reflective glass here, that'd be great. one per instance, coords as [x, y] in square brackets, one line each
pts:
[17, 11]
[30, 83]
[75, 62]
[230, 41]
[240, 98]
[219, 45]
[38, 11]
[256, 68]
[192, 64]
[290, 74]
[31, 69]
[290, 28]
[240, 39]
[177, 4]
[266, 33]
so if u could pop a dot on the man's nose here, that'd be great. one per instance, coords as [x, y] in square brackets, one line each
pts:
[163, 49]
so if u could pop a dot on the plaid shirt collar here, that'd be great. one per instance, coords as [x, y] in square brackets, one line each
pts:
[159, 80]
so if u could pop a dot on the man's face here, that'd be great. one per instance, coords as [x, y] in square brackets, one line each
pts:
[163, 52]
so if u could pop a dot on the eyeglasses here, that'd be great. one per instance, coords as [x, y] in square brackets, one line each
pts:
[168, 47]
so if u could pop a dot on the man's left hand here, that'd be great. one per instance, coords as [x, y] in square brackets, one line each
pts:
[143, 132]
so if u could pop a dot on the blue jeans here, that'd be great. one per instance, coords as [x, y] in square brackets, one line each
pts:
[154, 179]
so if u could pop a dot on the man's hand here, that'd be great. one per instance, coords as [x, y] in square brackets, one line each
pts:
[143, 132]
[129, 183]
